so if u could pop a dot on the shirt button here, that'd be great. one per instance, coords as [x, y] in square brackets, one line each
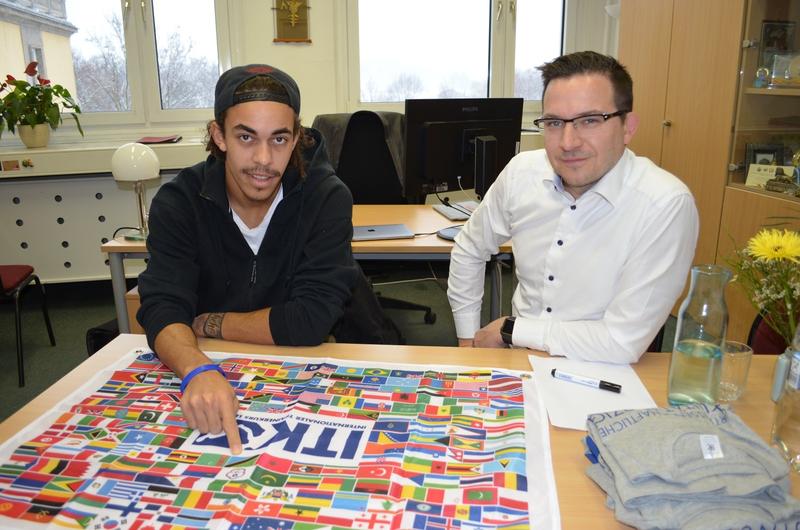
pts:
[560, 242]
[572, 207]
[551, 277]
[549, 309]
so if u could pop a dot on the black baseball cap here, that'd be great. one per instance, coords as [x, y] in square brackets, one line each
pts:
[225, 94]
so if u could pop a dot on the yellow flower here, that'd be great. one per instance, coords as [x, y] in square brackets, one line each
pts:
[775, 244]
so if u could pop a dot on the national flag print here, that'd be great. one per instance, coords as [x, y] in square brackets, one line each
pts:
[352, 501]
[479, 495]
[183, 457]
[193, 498]
[336, 484]
[302, 481]
[463, 512]
[261, 509]
[513, 481]
[444, 450]
[314, 498]
[296, 512]
[13, 508]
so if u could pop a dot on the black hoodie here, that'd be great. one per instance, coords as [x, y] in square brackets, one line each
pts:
[200, 262]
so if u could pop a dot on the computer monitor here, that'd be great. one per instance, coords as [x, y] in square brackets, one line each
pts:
[450, 138]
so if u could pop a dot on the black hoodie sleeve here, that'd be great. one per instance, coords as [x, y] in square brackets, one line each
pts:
[324, 273]
[168, 287]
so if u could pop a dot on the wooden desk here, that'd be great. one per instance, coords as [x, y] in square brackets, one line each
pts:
[582, 503]
[421, 219]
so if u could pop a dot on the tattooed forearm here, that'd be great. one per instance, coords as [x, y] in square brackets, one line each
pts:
[213, 325]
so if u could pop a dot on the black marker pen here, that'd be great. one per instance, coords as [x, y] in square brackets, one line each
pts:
[588, 381]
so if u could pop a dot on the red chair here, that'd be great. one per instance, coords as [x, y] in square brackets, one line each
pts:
[13, 280]
[765, 340]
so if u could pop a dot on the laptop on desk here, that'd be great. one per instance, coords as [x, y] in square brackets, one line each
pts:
[378, 232]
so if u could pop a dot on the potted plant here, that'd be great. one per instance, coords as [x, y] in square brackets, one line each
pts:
[34, 108]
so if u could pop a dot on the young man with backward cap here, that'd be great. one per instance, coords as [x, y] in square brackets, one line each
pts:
[251, 245]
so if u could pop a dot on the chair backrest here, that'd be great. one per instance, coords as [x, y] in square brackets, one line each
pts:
[763, 339]
[365, 162]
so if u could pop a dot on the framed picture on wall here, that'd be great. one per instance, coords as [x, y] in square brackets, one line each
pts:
[764, 154]
[777, 37]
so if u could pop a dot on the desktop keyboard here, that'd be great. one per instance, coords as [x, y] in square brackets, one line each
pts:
[458, 213]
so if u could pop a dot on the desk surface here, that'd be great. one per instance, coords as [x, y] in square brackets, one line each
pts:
[581, 501]
[420, 218]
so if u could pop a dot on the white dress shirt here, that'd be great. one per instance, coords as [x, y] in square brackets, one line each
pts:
[598, 275]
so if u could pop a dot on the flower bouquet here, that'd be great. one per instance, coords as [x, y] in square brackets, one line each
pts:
[768, 269]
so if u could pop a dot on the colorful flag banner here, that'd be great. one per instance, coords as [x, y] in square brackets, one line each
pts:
[327, 443]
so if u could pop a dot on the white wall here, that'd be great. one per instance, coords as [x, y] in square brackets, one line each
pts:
[313, 66]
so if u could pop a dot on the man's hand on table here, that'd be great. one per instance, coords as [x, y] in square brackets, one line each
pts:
[210, 404]
[489, 335]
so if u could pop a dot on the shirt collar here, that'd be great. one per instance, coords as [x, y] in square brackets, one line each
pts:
[610, 187]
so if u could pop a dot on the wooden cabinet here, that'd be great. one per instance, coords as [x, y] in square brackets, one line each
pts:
[765, 117]
[683, 56]
[745, 211]
[694, 66]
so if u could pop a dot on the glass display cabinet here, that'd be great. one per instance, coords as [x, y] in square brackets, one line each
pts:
[765, 148]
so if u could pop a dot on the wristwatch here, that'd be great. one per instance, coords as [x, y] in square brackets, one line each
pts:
[507, 330]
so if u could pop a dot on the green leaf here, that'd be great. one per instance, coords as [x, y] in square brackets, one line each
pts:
[53, 117]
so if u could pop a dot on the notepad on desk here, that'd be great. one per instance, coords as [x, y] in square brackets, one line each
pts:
[457, 211]
[568, 404]
[378, 232]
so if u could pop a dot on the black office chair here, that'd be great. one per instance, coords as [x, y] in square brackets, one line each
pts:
[367, 167]
[658, 340]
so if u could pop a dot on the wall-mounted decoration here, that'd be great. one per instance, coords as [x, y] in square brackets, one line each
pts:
[291, 21]
[777, 36]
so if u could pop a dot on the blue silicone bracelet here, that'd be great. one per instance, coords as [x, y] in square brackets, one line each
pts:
[199, 370]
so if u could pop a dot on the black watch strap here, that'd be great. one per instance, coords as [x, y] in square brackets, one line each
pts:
[507, 330]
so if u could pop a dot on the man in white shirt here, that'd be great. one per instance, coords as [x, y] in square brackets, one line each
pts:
[602, 239]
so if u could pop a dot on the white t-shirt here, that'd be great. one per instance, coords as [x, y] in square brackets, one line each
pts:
[598, 275]
[254, 236]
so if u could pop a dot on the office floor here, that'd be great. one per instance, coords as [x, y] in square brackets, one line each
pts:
[76, 307]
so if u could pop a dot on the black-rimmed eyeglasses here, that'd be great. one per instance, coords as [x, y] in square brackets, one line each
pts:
[586, 122]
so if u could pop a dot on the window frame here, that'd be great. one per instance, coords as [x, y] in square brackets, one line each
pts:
[579, 31]
[142, 71]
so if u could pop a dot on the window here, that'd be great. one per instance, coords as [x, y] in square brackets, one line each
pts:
[468, 48]
[445, 48]
[99, 56]
[537, 41]
[128, 63]
[187, 53]
[451, 61]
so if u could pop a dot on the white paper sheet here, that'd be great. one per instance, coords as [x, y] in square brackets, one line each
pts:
[568, 404]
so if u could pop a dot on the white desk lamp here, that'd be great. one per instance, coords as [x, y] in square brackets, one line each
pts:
[136, 163]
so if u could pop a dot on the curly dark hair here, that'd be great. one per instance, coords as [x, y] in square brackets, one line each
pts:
[262, 83]
[588, 62]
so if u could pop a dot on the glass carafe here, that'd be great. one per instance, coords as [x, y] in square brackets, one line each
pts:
[696, 363]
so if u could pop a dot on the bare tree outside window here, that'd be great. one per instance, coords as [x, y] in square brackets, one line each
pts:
[102, 82]
[187, 81]
[188, 67]
[186, 54]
